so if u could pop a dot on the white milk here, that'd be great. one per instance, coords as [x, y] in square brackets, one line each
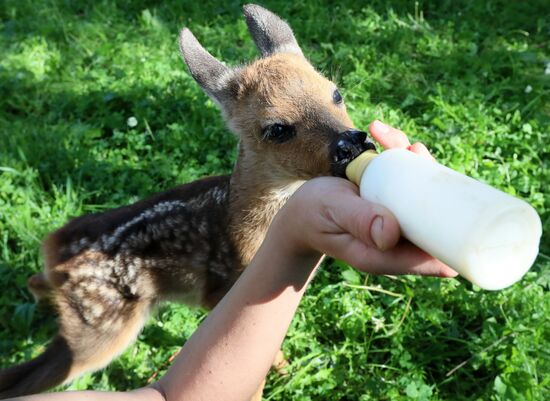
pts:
[487, 236]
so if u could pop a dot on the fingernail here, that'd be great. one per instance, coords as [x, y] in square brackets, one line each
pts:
[377, 232]
[381, 127]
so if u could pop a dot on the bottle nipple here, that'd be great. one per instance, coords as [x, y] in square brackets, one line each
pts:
[354, 170]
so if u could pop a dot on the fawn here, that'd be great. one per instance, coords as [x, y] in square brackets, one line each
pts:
[105, 271]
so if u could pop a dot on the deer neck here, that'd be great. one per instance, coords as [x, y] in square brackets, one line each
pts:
[256, 195]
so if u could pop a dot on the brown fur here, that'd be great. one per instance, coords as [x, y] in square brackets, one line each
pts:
[283, 85]
[105, 271]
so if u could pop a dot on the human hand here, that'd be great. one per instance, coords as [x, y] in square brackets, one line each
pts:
[328, 216]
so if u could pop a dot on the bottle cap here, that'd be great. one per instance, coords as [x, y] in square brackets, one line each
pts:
[354, 170]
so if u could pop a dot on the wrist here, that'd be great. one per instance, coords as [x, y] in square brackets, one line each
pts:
[289, 230]
[295, 262]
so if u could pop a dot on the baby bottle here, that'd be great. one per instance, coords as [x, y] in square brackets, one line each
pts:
[487, 236]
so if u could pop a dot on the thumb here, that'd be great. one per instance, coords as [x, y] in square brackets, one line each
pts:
[372, 224]
[384, 231]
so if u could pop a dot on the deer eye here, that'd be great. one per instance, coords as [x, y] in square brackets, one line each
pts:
[279, 133]
[336, 97]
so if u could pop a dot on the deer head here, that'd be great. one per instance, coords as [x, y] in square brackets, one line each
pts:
[291, 121]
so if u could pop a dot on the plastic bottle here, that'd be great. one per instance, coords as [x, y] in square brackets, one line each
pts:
[487, 236]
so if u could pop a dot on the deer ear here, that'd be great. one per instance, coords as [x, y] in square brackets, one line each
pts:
[270, 33]
[215, 78]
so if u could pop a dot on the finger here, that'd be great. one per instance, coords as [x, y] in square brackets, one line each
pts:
[421, 150]
[372, 224]
[387, 136]
[403, 259]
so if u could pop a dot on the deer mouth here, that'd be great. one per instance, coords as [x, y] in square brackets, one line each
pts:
[345, 148]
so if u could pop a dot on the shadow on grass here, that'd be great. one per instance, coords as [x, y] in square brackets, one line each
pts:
[62, 139]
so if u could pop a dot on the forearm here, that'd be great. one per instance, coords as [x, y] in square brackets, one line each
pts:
[231, 352]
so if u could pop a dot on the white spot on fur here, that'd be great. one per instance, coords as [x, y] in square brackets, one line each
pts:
[203, 228]
[78, 246]
[96, 309]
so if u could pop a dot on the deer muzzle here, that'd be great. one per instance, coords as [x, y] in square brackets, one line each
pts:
[346, 147]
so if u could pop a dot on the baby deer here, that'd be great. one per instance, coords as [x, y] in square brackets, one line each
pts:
[105, 271]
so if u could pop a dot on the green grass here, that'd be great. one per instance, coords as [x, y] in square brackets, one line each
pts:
[466, 78]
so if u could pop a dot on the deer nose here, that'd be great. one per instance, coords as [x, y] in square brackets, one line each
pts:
[350, 144]
[346, 147]
[356, 137]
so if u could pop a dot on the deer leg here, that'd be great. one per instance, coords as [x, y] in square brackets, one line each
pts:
[280, 363]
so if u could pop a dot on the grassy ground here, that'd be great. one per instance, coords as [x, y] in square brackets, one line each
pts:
[467, 78]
